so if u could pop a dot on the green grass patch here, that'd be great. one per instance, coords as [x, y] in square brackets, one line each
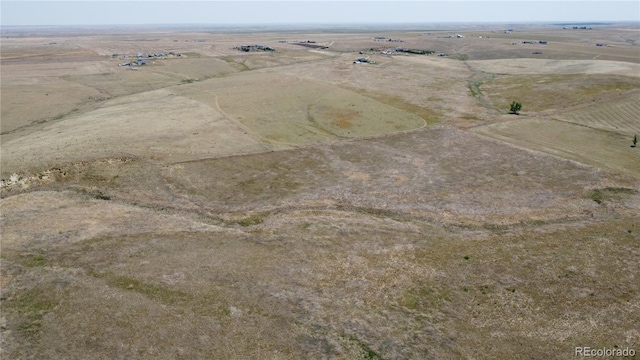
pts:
[33, 304]
[365, 351]
[33, 301]
[252, 220]
[152, 291]
[610, 193]
[425, 299]
[34, 261]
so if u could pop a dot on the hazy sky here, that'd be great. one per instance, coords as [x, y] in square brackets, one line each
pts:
[309, 12]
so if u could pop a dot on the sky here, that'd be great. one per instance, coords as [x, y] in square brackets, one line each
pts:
[311, 12]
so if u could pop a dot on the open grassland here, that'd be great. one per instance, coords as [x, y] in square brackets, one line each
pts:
[349, 292]
[428, 87]
[555, 92]
[544, 66]
[619, 116]
[351, 267]
[192, 69]
[411, 174]
[396, 247]
[293, 204]
[152, 125]
[603, 149]
[291, 110]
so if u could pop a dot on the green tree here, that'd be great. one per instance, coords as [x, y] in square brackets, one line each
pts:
[515, 107]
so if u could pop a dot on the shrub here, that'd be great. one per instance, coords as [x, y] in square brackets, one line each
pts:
[515, 107]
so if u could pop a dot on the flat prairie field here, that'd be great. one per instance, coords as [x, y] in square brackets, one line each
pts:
[603, 149]
[358, 192]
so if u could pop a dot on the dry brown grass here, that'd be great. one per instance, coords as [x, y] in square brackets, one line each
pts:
[287, 206]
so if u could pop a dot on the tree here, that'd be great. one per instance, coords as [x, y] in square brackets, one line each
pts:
[515, 107]
[635, 140]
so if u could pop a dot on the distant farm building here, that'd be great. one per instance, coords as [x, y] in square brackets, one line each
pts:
[415, 51]
[311, 44]
[258, 47]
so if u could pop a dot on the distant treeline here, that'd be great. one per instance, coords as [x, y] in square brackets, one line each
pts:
[583, 23]
[416, 51]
